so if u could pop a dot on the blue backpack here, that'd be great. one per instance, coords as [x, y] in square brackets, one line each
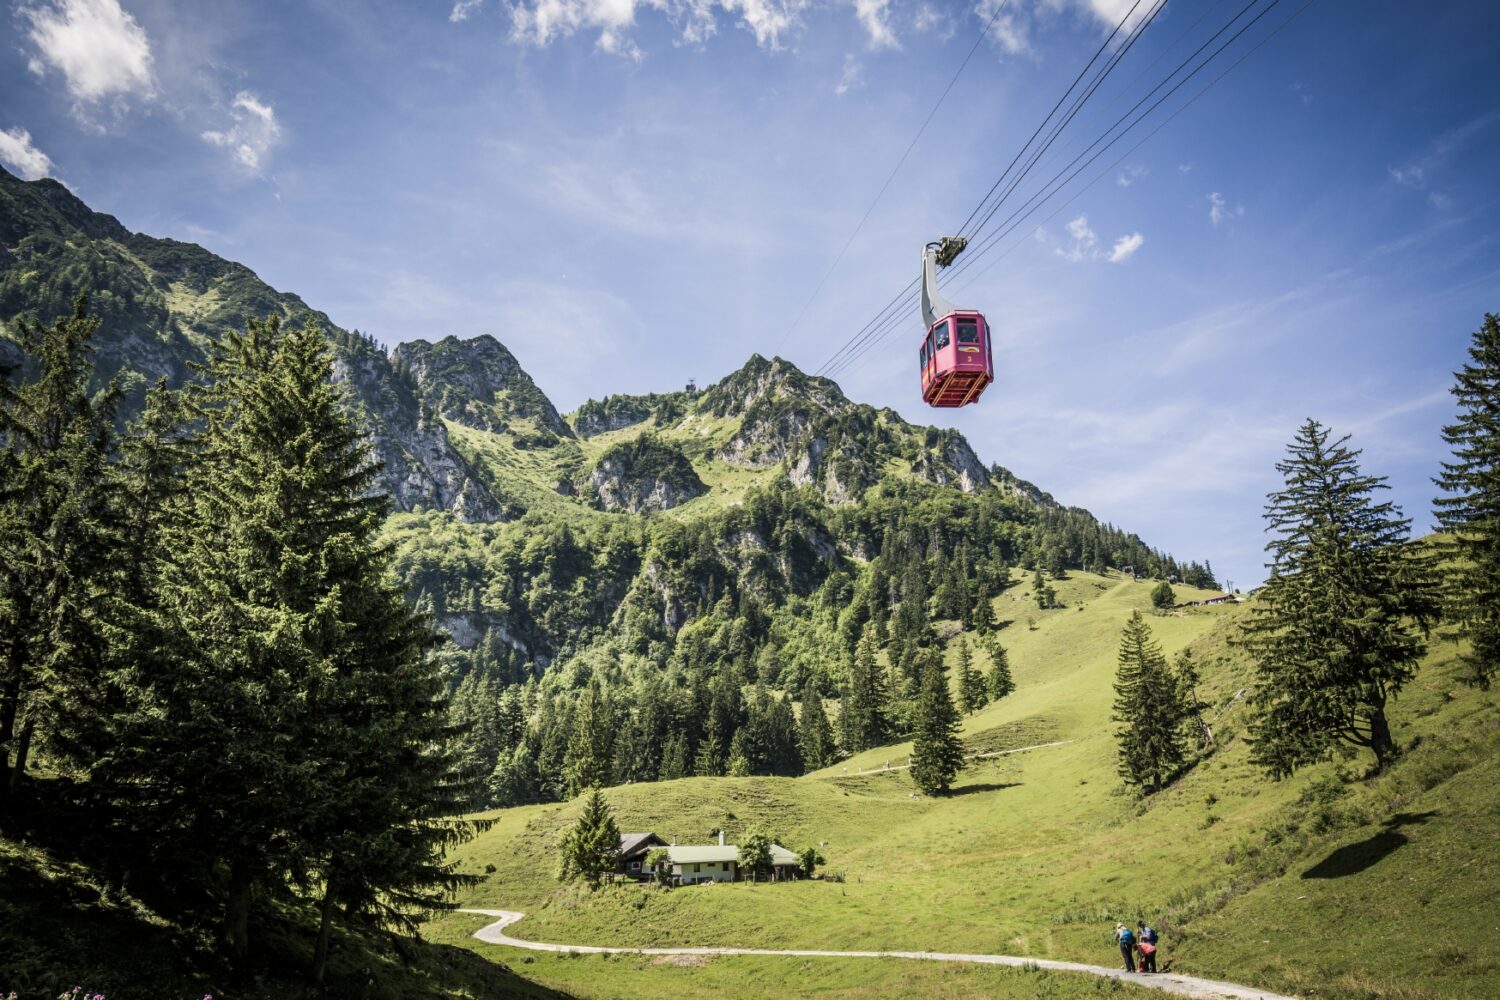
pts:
[1127, 936]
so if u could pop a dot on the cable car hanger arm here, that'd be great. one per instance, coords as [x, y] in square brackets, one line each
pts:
[934, 256]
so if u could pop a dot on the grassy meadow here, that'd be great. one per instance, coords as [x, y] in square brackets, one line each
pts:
[1310, 885]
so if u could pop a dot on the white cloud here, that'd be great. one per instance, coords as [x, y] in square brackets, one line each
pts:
[253, 130]
[1130, 175]
[100, 49]
[1419, 173]
[17, 152]
[1219, 209]
[1083, 244]
[930, 18]
[541, 22]
[1009, 31]
[1084, 239]
[872, 15]
[1125, 247]
[1183, 168]
[1413, 176]
[851, 78]
[462, 9]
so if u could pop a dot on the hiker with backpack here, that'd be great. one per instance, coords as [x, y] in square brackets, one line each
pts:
[1126, 937]
[1147, 947]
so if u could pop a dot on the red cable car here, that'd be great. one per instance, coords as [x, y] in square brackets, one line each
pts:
[955, 356]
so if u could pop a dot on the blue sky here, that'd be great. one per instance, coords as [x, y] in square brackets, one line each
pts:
[632, 193]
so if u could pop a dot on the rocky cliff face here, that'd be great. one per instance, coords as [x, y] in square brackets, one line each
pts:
[613, 413]
[480, 384]
[642, 476]
[162, 302]
[826, 441]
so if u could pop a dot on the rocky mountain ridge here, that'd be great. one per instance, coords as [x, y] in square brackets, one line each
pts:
[459, 425]
[162, 302]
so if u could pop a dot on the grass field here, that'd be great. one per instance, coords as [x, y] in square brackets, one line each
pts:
[1323, 887]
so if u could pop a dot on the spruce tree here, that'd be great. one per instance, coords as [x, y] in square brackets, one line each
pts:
[814, 734]
[60, 536]
[590, 752]
[971, 685]
[1148, 710]
[1470, 513]
[937, 751]
[983, 614]
[1045, 596]
[999, 682]
[1329, 630]
[591, 849]
[865, 704]
[289, 733]
[674, 757]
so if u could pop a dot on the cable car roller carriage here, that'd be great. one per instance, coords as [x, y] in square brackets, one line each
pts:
[955, 356]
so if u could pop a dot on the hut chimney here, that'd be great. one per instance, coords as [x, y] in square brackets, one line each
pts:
[721, 838]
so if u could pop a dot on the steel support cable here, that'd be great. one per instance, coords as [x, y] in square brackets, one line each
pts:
[902, 297]
[1067, 119]
[1147, 138]
[993, 239]
[1046, 195]
[1242, 12]
[854, 341]
[1043, 123]
[894, 171]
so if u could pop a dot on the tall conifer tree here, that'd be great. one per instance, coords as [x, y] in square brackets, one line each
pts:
[814, 733]
[59, 543]
[1148, 710]
[937, 753]
[865, 700]
[290, 732]
[999, 681]
[1332, 629]
[971, 686]
[1470, 513]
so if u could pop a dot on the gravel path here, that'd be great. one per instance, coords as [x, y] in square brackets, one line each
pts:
[1167, 982]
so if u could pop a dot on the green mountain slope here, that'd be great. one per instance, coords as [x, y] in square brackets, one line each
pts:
[162, 302]
[1312, 885]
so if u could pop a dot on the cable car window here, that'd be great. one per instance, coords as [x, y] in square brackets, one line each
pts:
[968, 331]
[922, 355]
[941, 333]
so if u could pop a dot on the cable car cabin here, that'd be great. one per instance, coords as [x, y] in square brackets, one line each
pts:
[955, 359]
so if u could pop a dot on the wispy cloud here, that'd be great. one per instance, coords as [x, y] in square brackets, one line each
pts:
[852, 76]
[1083, 244]
[99, 48]
[1418, 172]
[1220, 211]
[620, 190]
[18, 153]
[874, 17]
[1010, 32]
[1125, 248]
[462, 9]
[930, 18]
[1130, 175]
[541, 22]
[1083, 241]
[252, 132]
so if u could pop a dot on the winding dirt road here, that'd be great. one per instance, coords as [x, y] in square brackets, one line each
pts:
[1167, 982]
